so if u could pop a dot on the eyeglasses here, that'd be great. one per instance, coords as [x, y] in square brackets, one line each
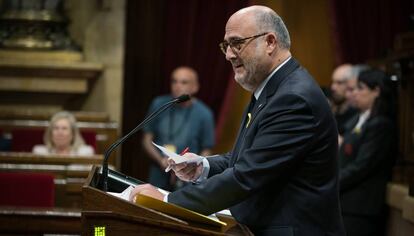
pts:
[236, 44]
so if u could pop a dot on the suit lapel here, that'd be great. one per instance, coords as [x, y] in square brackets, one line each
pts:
[240, 132]
[268, 91]
[349, 126]
[272, 86]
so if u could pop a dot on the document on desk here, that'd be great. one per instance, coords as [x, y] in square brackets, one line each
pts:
[177, 158]
[125, 194]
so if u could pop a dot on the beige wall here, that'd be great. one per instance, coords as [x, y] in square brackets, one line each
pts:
[99, 27]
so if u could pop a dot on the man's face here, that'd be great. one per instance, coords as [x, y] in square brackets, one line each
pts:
[351, 86]
[247, 61]
[338, 87]
[183, 81]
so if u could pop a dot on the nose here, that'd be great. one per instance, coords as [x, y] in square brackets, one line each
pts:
[230, 54]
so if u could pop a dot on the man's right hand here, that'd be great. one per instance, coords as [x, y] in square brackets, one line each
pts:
[187, 171]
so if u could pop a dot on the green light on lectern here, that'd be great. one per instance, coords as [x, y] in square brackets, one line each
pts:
[99, 231]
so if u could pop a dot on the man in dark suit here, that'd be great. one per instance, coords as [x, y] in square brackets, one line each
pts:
[341, 105]
[281, 178]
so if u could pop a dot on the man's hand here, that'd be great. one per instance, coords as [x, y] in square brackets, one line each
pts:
[186, 171]
[146, 189]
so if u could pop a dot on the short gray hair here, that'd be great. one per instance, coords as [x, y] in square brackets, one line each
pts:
[269, 21]
[358, 68]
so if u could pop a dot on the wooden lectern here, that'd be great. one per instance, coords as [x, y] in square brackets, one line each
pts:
[104, 214]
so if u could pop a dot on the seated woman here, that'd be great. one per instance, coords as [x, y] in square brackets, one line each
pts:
[366, 156]
[63, 137]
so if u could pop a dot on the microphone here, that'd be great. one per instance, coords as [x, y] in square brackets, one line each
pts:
[104, 177]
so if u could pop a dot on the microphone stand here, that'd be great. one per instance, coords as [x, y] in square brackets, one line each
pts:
[104, 176]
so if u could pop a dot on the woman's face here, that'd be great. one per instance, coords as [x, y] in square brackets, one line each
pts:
[62, 133]
[365, 96]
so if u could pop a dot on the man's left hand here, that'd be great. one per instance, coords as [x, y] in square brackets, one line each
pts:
[146, 189]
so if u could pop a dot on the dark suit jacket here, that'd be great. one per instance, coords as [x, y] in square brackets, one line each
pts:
[365, 164]
[343, 118]
[282, 177]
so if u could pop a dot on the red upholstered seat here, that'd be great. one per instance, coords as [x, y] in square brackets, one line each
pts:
[23, 140]
[90, 137]
[27, 189]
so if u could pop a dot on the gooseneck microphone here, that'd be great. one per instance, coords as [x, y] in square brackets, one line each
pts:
[149, 118]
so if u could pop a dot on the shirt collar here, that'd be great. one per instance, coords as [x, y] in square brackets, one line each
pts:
[363, 117]
[259, 89]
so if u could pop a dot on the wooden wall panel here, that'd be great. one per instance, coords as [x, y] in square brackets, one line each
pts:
[308, 24]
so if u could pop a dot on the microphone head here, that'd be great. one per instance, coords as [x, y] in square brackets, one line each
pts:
[183, 98]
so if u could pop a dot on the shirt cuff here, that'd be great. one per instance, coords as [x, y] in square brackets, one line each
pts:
[203, 176]
[204, 173]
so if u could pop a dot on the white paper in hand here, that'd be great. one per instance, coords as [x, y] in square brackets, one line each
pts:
[177, 158]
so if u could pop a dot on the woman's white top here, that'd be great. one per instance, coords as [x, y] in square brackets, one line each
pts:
[84, 150]
[361, 120]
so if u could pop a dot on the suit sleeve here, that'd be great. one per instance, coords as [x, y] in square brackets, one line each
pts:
[218, 163]
[372, 153]
[277, 143]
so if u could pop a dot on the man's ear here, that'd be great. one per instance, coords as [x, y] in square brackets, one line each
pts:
[195, 88]
[271, 42]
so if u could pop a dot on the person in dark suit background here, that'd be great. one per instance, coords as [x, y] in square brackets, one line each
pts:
[281, 178]
[340, 103]
[366, 156]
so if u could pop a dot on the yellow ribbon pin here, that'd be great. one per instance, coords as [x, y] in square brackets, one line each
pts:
[356, 130]
[249, 117]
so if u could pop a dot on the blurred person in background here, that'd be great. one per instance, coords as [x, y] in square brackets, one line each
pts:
[351, 83]
[340, 105]
[350, 89]
[188, 124]
[63, 137]
[366, 155]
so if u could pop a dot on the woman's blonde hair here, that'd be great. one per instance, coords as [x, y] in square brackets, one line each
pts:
[77, 139]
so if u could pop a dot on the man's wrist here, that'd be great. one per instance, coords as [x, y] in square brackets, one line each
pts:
[204, 172]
